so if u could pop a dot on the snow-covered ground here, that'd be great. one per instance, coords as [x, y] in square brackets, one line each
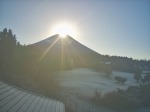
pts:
[84, 81]
[80, 84]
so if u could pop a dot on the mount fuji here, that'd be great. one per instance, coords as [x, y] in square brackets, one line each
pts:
[65, 51]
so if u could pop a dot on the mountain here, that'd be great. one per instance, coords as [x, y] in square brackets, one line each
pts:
[57, 43]
[66, 53]
[65, 50]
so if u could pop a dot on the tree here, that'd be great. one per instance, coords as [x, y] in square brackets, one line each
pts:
[146, 79]
[120, 79]
[7, 42]
[137, 75]
[97, 93]
[108, 71]
[7, 47]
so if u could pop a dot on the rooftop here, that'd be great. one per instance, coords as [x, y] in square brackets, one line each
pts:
[13, 99]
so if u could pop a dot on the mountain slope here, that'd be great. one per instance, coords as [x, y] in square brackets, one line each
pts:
[66, 51]
[57, 42]
[55, 53]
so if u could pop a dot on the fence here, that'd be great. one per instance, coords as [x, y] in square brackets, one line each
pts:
[72, 106]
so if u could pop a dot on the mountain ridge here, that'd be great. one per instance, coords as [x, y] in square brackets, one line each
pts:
[66, 41]
[70, 50]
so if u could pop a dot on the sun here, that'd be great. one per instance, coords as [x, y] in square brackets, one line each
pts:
[64, 29]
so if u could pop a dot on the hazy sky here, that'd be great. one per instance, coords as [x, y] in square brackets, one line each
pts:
[114, 27]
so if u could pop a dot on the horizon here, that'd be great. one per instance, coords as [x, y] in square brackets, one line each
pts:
[107, 27]
[87, 47]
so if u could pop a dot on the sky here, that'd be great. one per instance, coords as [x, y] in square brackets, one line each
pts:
[109, 27]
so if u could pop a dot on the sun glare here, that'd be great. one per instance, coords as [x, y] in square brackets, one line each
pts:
[64, 29]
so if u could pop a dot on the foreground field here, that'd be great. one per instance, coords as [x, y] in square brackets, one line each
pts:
[80, 85]
[85, 81]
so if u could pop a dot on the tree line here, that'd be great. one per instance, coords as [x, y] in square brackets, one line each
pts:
[19, 66]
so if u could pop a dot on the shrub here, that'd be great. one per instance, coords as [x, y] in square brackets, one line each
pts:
[137, 75]
[117, 100]
[120, 79]
[133, 97]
